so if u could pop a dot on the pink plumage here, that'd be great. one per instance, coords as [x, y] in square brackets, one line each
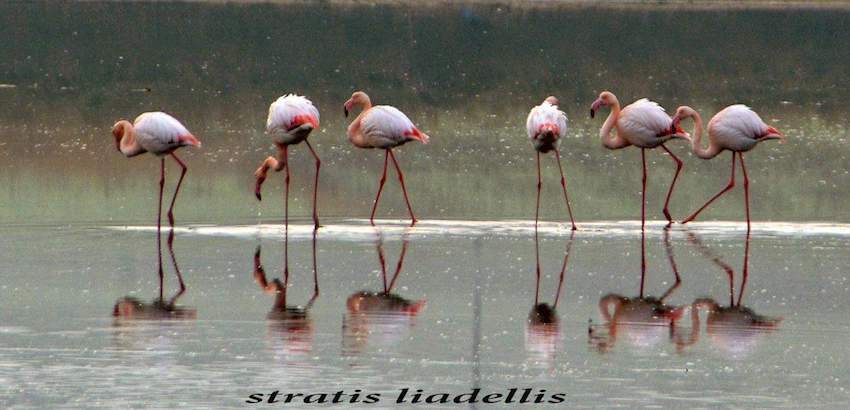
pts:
[288, 113]
[384, 126]
[545, 126]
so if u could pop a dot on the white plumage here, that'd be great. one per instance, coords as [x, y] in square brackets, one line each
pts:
[736, 127]
[385, 126]
[543, 115]
[290, 111]
[642, 122]
[160, 133]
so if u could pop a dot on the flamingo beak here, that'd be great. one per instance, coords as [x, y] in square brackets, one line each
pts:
[773, 133]
[595, 107]
[346, 107]
[190, 140]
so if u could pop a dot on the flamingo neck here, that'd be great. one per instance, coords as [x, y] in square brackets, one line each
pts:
[616, 141]
[696, 144]
[125, 139]
[354, 134]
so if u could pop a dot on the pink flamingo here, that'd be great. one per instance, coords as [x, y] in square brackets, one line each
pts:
[736, 128]
[291, 120]
[546, 125]
[643, 124]
[160, 134]
[385, 127]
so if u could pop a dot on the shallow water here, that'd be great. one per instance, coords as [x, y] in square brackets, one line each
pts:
[459, 318]
[82, 324]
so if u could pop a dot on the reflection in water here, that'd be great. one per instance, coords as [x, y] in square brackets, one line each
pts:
[131, 308]
[643, 321]
[734, 329]
[383, 315]
[291, 322]
[543, 331]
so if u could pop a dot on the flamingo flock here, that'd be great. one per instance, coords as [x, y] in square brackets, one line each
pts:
[292, 118]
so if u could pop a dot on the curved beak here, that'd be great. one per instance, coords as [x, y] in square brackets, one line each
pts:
[595, 107]
[347, 107]
[773, 133]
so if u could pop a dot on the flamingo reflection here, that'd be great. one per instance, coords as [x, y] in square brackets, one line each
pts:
[291, 322]
[132, 308]
[383, 315]
[644, 321]
[734, 329]
[543, 330]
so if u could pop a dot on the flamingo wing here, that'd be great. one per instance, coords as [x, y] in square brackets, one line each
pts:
[737, 121]
[160, 133]
[546, 116]
[291, 111]
[387, 127]
[644, 117]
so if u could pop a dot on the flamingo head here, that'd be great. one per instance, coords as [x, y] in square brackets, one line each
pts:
[551, 100]
[118, 131]
[774, 134]
[358, 98]
[606, 98]
[675, 126]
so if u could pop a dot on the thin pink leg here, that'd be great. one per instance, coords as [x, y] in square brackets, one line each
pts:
[643, 191]
[564, 187]
[176, 268]
[176, 190]
[383, 261]
[728, 187]
[642, 261]
[537, 207]
[672, 184]
[400, 264]
[286, 218]
[537, 271]
[315, 185]
[315, 273]
[563, 270]
[746, 189]
[413, 219]
[380, 188]
[746, 273]
[668, 246]
[159, 224]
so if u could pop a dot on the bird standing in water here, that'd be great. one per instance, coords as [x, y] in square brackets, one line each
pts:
[161, 135]
[384, 127]
[291, 120]
[546, 126]
[643, 124]
[736, 128]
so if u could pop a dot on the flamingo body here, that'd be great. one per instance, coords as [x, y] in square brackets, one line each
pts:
[384, 126]
[291, 119]
[645, 124]
[157, 133]
[546, 125]
[737, 128]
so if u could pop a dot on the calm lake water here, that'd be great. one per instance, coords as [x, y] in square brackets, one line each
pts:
[756, 322]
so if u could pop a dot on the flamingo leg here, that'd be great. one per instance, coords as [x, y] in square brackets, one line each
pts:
[380, 188]
[183, 170]
[315, 274]
[383, 261]
[413, 219]
[539, 186]
[537, 270]
[159, 224]
[643, 190]
[315, 185]
[404, 242]
[564, 187]
[679, 165]
[723, 191]
[286, 219]
[176, 268]
[563, 270]
[746, 273]
[746, 189]
[668, 246]
[642, 261]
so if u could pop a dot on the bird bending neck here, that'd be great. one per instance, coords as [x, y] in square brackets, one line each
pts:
[616, 141]
[125, 139]
[696, 144]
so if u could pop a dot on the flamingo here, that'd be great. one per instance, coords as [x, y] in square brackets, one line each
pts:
[736, 128]
[385, 127]
[643, 124]
[161, 135]
[291, 120]
[546, 125]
